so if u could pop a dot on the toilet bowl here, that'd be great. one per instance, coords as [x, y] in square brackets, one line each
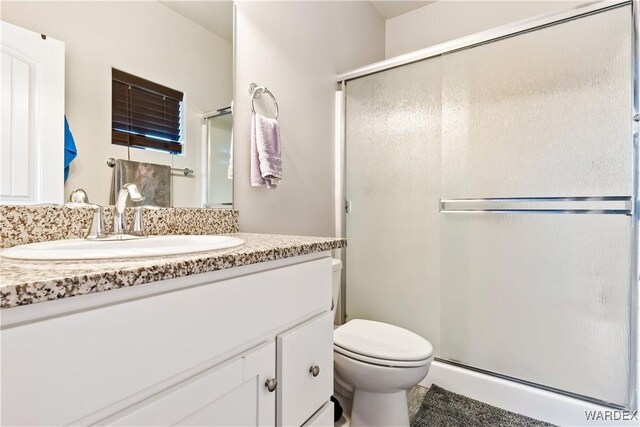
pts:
[375, 364]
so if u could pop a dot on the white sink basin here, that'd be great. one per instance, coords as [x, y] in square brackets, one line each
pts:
[82, 249]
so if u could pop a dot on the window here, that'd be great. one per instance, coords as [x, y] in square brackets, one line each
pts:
[145, 114]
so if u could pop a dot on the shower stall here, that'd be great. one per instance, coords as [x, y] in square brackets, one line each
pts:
[491, 186]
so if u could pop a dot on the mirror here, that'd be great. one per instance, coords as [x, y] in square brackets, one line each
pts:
[140, 81]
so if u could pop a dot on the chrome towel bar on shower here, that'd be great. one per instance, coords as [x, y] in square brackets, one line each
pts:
[603, 205]
[111, 162]
[255, 91]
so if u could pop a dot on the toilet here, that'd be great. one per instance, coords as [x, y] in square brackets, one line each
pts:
[374, 365]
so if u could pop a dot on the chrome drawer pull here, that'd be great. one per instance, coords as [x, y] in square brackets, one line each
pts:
[271, 384]
[314, 370]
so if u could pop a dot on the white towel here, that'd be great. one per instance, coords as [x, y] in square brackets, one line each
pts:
[266, 153]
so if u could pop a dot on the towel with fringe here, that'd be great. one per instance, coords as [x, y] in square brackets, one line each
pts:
[266, 152]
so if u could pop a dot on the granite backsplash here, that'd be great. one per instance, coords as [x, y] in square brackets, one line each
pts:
[30, 224]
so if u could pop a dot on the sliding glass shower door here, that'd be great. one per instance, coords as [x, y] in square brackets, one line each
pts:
[530, 291]
[493, 213]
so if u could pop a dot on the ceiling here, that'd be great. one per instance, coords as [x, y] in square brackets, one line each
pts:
[215, 16]
[390, 8]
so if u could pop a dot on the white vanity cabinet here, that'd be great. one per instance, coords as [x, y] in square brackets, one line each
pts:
[245, 346]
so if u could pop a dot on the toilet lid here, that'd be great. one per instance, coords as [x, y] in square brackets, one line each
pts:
[381, 341]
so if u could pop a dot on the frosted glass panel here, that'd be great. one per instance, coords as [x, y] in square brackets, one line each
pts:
[393, 183]
[545, 113]
[540, 297]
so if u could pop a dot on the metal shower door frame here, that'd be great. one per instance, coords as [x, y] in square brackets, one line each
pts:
[630, 208]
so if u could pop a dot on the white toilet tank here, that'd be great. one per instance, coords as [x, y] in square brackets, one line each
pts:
[336, 281]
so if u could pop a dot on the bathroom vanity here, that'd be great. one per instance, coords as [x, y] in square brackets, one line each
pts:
[233, 337]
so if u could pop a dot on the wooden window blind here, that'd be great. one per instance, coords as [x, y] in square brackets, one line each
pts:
[145, 114]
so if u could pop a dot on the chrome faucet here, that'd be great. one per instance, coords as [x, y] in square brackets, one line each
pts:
[119, 220]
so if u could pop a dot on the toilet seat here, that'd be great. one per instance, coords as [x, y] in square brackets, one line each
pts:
[382, 344]
[382, 362]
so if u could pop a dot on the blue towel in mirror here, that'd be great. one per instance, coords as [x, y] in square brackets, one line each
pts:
[70, 150]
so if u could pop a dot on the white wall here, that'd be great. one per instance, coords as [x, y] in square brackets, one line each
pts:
[296, 49]
[447, 20]
[134, 37]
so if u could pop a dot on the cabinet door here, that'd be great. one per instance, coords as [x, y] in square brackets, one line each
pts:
[322, 418]
[231, 394]
[305, 370]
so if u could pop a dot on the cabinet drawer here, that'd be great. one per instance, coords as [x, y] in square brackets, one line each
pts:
[322, 418]
[302, 390]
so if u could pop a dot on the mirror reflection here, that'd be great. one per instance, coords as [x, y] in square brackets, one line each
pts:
[129, 93]
[219, 159]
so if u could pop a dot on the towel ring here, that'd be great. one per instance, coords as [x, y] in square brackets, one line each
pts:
[255, 91]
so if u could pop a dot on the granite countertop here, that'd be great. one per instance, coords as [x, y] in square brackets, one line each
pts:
[30, 282]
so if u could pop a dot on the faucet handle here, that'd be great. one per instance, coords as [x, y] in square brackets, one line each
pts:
[137, 227]
[96, 229]
[79, 196]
